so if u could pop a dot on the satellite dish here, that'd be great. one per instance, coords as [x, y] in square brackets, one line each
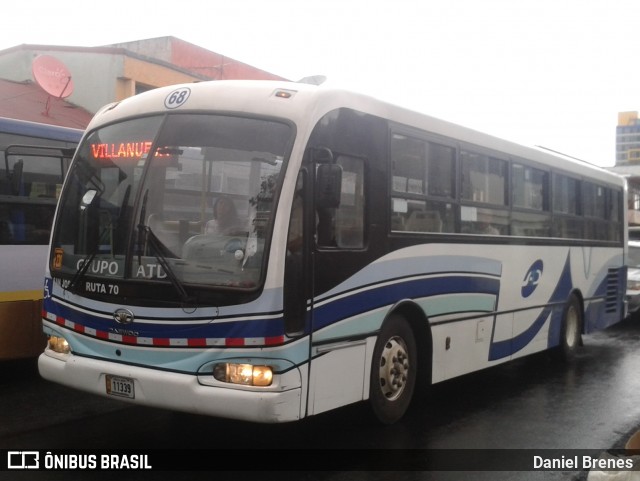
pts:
[52, 76]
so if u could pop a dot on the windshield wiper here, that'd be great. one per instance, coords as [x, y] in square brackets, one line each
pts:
[157, 248]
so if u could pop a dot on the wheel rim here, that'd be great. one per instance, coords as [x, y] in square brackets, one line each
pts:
[571, 333]
[394, 368]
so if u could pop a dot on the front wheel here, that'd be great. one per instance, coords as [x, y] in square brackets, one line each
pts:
[393, 370]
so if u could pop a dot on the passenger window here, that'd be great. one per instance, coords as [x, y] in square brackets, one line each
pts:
[476, 220]
[594, 200]
[602, 212]
[529, 188]
[530, 224]
[408, 164]
[440, 170]
[566, 195]
[411, 215]
[566, 207]
[484, 179]
[423, 185]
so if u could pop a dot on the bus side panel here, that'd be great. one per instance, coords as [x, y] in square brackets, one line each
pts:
[608, 306]
[21, 300]
[461, 347]
[21, 333]
[339, 378]
[486, 304]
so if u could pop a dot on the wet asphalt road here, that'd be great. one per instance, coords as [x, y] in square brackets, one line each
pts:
[533, 403]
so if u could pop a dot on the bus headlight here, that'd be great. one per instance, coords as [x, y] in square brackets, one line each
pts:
[245, 374]
[59, 345]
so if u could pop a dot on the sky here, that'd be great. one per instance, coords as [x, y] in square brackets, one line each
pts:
[549, 73]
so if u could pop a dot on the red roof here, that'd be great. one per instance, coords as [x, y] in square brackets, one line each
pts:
[27, 101]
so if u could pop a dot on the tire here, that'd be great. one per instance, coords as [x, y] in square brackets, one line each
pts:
[571, 330]
[393, 370]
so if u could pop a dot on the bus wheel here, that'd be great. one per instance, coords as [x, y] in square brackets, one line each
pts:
[393, 370]
[571, 330]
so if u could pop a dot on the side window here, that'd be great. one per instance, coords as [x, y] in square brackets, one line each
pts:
[484, 185]
[594, 211]
[615, 201]
[32, 185]
[566, 207]
[566, 195]
[602, 212]
[422, 185]
[530, 188]
[483, 221]
[344, 227]
[440, 170]
[408, 159]
[594, 200]
[531, 195]
[484, 179]
[615, 216]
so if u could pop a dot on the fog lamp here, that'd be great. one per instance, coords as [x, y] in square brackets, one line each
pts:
[245, 374]
[59, 345]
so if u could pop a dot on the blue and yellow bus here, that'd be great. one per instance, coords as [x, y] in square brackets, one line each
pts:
[268, 251]
[34, 159]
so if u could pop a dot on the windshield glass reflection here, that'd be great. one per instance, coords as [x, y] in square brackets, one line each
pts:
[186, 199]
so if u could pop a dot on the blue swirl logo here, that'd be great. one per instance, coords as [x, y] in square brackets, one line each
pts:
[532, 278]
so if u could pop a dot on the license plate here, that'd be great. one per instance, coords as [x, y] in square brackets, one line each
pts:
[120, 386]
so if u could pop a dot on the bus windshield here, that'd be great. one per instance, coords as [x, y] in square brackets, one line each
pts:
[184, 199]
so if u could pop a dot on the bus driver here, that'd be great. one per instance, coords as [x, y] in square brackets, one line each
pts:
[225, 218]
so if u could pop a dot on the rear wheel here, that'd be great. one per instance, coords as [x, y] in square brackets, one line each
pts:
[571, 330]
[393, 370]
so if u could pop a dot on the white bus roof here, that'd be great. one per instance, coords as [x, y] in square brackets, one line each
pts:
[306, 104]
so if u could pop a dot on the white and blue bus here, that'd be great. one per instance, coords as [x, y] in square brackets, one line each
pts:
[268, 251]
[34, 159]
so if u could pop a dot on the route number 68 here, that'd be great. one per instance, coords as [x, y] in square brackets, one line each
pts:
[176, 98]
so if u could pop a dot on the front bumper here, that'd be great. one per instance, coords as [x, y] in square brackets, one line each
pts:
[175, 391]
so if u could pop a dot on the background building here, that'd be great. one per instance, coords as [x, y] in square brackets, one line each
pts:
[628, 159]
[628, 139]
[106, 74]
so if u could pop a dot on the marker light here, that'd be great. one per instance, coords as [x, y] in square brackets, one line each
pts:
[59, 345]
[284, 94]
[245, 374]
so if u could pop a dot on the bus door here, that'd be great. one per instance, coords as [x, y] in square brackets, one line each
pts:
[339, 250]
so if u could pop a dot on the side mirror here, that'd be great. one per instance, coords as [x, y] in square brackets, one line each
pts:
[328, 186]
[87, 198]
